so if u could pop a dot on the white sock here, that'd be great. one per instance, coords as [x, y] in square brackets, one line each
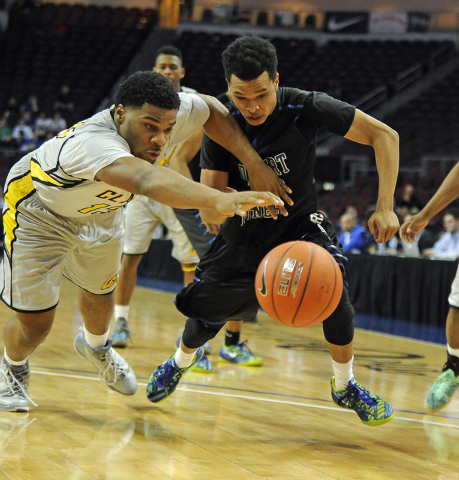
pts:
[95, 341]
[453, 351]
[121, 311]
[344, 372]
[183, 359]
[12, 362]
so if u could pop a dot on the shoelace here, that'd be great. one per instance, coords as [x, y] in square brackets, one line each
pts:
[245, 348]
[168, 368]
[15, 385]
[110, 365]
[356, 393]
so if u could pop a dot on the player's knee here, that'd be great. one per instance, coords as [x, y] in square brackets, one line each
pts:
[339, 326]
[197, 332]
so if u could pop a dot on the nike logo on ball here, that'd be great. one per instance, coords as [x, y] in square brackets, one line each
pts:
[263, 290]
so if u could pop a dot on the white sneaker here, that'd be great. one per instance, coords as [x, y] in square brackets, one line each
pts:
[14, 389]
[113, 369]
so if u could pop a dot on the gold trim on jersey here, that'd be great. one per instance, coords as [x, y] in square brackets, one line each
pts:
[39, 174]
[17, 190]
[167, 160]
[110, 282]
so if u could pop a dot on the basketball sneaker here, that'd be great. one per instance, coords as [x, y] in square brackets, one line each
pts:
[240, 354]
[113, 369]
[370, 408]
[14, 388]
[165, 378]
[121, 334]
[442, 390]
[203, 365]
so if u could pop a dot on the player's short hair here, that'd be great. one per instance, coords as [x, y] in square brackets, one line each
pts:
[169, 50]
[248, 57]
[147, 87]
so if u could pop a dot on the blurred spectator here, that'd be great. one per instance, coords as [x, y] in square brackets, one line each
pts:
[12, 111]
[5, 129]
[64, 102]
[30, 106]
[57, 124]
[22, 131]
[409, 202]
[447, 247]
[43, 122]
[28, 120]
[353, 236]
[36, 141]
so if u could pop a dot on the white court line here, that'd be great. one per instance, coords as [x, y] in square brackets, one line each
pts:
[259, 399]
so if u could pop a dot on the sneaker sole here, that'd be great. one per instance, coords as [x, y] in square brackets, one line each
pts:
[200, 370]
[438, 409]
[14, 409]
[242, 364]
[119, 343]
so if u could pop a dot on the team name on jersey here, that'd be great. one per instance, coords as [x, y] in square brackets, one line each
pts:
[279, 165]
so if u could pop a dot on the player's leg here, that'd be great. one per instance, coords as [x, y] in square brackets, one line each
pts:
[124, 289]
[22, 334]
[445, 385]
[96, 298]
[184, 251]
[28, 288]
[93, 343]
[339, 333]
[345, 390]
[141, 220]
[237, 352]
[208, 305]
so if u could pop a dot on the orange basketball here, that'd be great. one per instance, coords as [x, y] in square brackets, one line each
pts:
[298, 284]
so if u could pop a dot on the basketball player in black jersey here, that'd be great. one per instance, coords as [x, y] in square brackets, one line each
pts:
[281, 123]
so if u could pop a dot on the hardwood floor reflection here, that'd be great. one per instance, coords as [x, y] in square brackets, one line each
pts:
[272, 422]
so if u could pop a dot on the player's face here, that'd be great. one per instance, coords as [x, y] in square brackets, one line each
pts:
[171, 67]
[256, 99]
[145, 129]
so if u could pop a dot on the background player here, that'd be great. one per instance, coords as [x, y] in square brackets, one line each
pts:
[444, 387]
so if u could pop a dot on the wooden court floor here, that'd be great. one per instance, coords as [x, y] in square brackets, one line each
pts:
[274, 422]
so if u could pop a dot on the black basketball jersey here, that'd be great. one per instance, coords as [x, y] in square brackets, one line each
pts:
[287, 143]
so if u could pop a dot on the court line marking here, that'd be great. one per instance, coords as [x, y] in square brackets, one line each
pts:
[260, 399]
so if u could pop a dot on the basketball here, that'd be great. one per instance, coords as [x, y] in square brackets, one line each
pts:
[299, 284]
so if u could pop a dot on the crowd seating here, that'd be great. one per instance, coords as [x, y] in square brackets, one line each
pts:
[89, 47]
[85, 47]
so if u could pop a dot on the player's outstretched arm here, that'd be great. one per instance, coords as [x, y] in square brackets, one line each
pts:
[166, 186]
[446, 193]
[383, 224]
[224, 130]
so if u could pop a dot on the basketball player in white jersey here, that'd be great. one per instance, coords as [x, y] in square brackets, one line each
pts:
[63, 216]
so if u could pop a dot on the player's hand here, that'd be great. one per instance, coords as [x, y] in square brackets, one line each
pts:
[264, 179]
[413, 226]
[212, 228]
[230, 204]
[383, 225]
